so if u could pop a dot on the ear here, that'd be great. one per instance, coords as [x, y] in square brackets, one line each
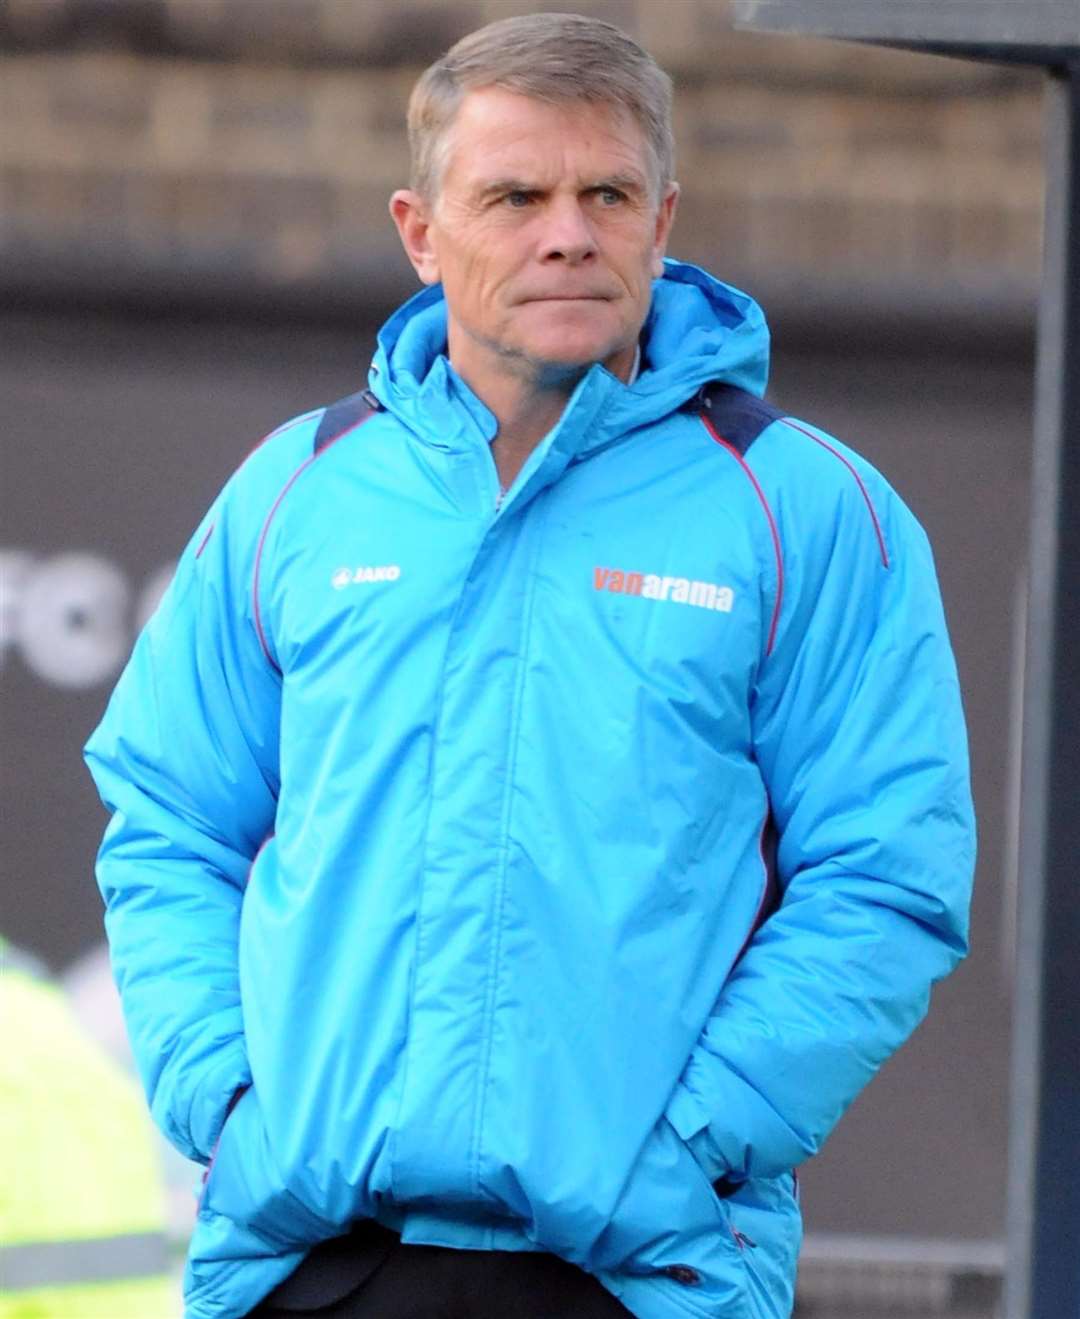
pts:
[412, 216]
[665, 218]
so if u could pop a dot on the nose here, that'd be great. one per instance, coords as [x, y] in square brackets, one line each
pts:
[568, 236]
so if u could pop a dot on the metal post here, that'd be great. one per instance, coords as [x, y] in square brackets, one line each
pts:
[1043, 1276]
[1043, 1279]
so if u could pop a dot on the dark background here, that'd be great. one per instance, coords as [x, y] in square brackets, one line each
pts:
[184, 263]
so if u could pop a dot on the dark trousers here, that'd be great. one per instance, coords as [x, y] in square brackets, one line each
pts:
[369, 1274]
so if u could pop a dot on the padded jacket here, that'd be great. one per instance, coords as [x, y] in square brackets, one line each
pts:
[538, 871]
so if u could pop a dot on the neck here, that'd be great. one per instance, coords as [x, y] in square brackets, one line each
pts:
[527, 403]
[526, 411]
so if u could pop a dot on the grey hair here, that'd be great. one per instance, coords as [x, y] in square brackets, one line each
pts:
[556, 58]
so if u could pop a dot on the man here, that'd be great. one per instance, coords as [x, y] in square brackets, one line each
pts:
[541, 800]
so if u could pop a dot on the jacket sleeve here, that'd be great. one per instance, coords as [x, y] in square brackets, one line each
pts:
[859, 736]
[186, 759]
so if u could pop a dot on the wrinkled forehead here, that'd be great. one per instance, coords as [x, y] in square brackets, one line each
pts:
[500, 134]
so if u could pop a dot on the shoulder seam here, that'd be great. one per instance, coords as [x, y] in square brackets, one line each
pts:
[739, 415]
[875, 520]
[343, 415]
[279, 430]
[256, 608]
[770, 519]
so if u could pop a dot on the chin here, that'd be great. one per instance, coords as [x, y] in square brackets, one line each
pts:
[575, 338]
[568, 358]
[571, 351]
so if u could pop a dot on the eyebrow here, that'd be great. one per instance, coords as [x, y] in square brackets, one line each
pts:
[625, 182]
[507, 185]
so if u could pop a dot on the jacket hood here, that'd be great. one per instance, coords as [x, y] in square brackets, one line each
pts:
[698, 329]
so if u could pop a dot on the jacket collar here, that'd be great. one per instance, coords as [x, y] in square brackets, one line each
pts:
[697, 330]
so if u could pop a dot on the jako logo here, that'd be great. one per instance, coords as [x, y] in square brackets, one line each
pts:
[679, 590]
[347, 576]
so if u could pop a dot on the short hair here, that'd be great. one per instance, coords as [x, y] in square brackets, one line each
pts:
[557, 58]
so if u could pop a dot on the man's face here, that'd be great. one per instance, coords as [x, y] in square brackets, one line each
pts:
[546, 234]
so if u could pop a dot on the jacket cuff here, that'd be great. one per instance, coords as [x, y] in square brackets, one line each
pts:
[215, 1096]
[687, 1115]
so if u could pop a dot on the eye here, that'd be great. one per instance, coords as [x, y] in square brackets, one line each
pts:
[610, 196]
[518, 199]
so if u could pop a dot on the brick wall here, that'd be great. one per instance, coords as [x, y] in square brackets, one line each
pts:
[254, 142]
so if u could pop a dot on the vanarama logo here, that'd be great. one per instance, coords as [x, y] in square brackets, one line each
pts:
[679, 590]
[389, 572]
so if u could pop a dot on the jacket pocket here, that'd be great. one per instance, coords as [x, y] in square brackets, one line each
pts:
[766, 1223]
[237, 1096]
[671, 1226]
[244, 1184]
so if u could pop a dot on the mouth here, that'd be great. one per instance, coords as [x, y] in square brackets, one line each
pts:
[568, 297]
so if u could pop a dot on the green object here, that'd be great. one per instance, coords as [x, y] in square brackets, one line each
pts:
[82, 1213]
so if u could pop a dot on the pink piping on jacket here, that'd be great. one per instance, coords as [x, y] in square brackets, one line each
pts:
[772, 528]
[266, 528]
[858, 481]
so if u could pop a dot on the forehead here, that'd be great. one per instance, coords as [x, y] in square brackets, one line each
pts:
[502, 134]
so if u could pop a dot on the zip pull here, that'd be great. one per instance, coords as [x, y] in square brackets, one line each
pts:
[742, 1240]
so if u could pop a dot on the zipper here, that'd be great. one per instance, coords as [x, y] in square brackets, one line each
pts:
[522, 631]
[742, 1240]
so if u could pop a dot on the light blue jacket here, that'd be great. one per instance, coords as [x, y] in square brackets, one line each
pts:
[443, 823]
